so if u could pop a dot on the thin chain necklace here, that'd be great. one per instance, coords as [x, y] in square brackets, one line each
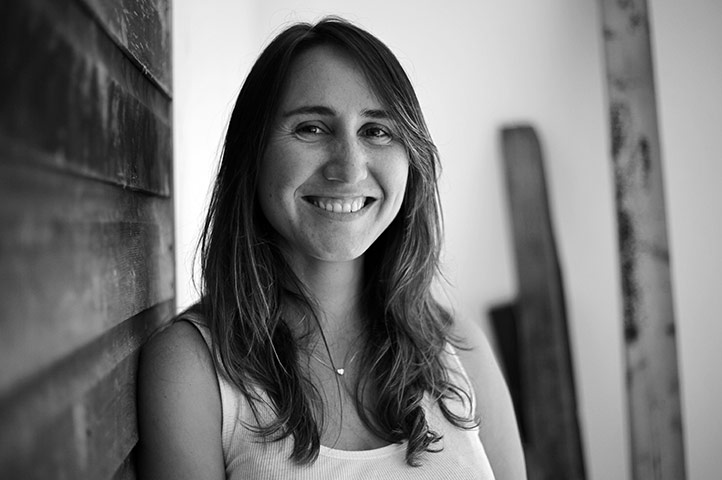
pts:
[337, 371]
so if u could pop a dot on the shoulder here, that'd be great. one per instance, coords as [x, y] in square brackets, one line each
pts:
[475, 353]
[479, 363]
[177, 353]
[179, 410]
[498, 428]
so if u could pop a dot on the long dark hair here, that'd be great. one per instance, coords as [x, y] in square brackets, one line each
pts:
[245, 277]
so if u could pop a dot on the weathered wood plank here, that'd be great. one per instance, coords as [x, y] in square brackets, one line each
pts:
[127, 470]
[76, 258]
[76, 419]
[548, 400]
[504, 321]
[651, 353]
[77, 102]
[86, 228]
[142, 29]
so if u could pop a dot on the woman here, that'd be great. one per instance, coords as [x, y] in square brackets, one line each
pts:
[317, 350]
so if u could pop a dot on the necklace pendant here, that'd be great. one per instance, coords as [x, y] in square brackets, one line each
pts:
[340, 371]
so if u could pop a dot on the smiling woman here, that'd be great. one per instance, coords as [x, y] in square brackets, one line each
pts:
[333, 175]
[317, 350]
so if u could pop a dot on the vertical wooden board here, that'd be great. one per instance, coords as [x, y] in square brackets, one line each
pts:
[77, 418]
[504, 321]
[142, 28]
[76, 258]
[127, 470]
[547, 378]
[649, 327]
[77, 103]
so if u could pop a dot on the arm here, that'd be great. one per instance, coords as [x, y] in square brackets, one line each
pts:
[179, 408]
[498, 431]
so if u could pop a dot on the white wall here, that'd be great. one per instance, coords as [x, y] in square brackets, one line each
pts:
[214, 44]
[476, 66]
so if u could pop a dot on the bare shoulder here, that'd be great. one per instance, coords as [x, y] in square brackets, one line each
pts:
[179, 411]
[478, 359]
[482, 368]
[498, 429]
[176, 351]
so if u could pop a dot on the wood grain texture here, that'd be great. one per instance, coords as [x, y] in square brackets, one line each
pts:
[76, 419]
[141, 28]
[72, 100]
[548, 397]
[77, 257]
[86, 228]
[649, 326]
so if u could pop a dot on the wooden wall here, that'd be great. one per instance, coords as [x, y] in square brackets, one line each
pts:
[86, 228]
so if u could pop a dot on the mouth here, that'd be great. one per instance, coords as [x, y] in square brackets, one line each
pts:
[340, 205]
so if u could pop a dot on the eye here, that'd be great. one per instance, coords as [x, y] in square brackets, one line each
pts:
[309, 131]
[377, 134]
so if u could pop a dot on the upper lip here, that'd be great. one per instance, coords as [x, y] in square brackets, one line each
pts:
[336, 197]
[339, 195]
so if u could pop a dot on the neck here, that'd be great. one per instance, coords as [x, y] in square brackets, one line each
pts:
[336, 287]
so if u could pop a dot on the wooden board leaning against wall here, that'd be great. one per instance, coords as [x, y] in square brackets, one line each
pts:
[86, 228]
[652, 378]
[533, 332]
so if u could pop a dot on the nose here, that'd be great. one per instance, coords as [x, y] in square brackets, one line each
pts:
[347, 162]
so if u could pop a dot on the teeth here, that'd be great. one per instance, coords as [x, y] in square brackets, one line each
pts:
[340, 205]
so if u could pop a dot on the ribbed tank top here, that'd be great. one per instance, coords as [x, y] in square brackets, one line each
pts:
[248, 457]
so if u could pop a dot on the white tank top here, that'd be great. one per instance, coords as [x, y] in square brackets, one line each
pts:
[249, 457]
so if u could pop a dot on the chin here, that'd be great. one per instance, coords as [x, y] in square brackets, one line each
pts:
[337, 253]
[339, 257]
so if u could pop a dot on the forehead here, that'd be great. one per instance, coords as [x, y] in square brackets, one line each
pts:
[327, 75]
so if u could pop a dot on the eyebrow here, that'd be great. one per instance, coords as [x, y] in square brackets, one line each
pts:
[329, 112]
[378, 114]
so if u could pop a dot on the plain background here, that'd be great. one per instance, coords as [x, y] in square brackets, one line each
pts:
[480, 65]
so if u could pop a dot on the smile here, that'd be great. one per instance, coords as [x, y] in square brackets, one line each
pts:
[340, 205]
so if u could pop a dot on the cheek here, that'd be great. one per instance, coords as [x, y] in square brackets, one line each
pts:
[280, 187]
[404, 177]
[268, 192]
[266, 186]
[277, 188]
[397, 175]
[274, 174]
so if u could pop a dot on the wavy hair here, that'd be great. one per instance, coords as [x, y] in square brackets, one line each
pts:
[245, 277]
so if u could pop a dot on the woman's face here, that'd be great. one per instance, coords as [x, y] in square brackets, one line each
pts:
[334, 174]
